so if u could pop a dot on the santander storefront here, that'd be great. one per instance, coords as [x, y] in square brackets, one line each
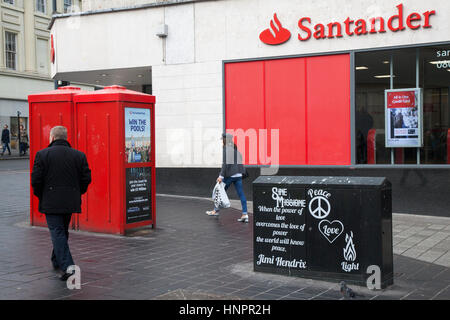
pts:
[326, 113]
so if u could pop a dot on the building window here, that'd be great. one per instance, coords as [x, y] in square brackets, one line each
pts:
[427, 68]
[67, 5]
[42, 58]
[11, 50]
[41, 6]
[9, 1]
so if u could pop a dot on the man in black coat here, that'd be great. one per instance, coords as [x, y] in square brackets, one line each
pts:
[60, 176]
[5, 139]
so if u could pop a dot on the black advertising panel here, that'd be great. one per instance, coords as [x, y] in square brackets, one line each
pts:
[138, 194]
[331, 228]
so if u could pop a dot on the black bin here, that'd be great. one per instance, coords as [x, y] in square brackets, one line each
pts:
[327, 228]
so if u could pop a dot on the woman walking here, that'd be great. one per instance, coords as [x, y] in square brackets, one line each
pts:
[23, 141]
[232, 172]
[5, 140]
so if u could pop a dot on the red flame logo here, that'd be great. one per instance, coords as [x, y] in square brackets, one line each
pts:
[276, 34]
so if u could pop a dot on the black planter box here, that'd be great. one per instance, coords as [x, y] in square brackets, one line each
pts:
[327, 228]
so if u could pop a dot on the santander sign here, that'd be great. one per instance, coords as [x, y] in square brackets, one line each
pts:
[399, 21]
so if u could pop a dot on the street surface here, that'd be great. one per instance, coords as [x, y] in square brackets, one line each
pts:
[192, 256]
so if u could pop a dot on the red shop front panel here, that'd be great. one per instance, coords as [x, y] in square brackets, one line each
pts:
[328, 100]
[306, 99]
[285, 109]
[244, 98]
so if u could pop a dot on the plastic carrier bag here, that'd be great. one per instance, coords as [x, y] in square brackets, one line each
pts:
[220, 197]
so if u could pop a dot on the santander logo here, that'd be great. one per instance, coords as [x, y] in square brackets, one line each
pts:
[399, 21]
[276, 34]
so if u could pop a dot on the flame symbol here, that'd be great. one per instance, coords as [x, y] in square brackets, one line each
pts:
[349, 250]
[276, 34]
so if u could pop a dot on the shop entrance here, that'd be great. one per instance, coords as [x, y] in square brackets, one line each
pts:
[427, 68]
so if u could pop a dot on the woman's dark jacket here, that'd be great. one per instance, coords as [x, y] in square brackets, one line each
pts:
[232, 162]
[5, 136]
[60, 176]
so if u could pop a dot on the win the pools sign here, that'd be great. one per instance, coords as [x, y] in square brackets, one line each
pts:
[399, 21]
[137, 135]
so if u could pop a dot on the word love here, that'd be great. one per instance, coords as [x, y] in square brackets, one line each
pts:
[331, 230]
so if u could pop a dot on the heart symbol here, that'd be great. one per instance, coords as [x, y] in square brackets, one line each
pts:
[331, 230]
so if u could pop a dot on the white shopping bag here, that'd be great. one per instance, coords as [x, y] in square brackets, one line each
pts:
[220, 197]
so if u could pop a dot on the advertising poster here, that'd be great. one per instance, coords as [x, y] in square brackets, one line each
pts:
[138, 194]
[403, 108]
[137, 135]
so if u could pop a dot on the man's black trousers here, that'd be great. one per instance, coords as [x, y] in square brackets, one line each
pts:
[58, 224]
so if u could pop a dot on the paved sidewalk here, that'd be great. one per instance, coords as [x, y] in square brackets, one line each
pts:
[15, 155]
[193, 256]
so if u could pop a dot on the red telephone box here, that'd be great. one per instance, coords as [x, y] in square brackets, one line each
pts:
[46, 110]
[115, 129]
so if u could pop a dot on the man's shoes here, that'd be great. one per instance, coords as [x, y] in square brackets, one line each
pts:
[65, 276]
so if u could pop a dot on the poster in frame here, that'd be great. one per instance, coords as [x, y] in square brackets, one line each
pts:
[404, 118]
[137, 135]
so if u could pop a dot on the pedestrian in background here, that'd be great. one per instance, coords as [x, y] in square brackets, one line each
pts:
[232, 172]
[5, 140]
[60, 176]
[23, 141]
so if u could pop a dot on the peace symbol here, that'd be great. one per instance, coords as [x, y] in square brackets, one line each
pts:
[321, 207]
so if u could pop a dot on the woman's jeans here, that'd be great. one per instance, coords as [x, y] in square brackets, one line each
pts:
[238, 185]
[6, 146]
[23, 148]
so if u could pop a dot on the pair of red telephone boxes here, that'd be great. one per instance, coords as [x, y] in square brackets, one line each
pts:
[115, 128]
